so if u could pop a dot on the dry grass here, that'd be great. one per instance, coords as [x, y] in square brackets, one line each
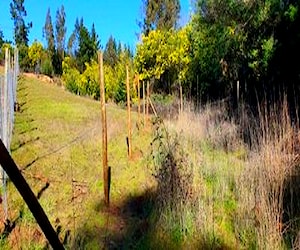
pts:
[246, 192]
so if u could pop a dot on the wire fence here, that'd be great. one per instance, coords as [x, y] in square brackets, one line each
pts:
[8, 91]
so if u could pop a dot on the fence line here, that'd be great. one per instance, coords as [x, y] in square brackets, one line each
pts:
[8, 97]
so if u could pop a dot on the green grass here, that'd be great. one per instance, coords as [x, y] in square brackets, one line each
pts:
[57, 145]
[57, 139]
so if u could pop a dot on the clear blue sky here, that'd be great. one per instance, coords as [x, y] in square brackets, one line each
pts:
[118, 18]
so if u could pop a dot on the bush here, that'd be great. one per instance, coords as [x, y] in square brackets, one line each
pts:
[46, 67]
[174, 175]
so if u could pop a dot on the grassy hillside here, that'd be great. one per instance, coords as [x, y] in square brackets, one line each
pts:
[57, 146]
[201, 181]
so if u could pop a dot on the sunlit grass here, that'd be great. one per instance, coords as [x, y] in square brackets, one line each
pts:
[57, 140]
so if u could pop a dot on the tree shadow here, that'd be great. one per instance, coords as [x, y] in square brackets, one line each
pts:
[133, 224]
[127, 224]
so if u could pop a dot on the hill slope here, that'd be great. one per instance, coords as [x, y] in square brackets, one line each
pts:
[57, 146]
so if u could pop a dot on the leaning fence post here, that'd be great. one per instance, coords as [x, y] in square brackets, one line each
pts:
[22, 186]
[104, 131]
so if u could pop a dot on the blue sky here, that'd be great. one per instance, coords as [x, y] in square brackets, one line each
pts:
[118, 18]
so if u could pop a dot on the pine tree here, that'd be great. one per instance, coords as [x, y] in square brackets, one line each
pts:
[110, 54]
[21, 30]
[87, 46]
[95, 41]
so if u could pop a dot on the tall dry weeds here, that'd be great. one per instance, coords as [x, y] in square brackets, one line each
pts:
[265, 186]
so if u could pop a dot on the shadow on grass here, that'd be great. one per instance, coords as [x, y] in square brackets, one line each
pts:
[124, 225]
[21, 144]
[9, 225]
[133, 225]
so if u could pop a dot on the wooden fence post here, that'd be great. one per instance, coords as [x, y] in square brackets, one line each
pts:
[181, 98]
[139, 99]
[147, 102]
[22, 186]
[106, 178]
[128, 113]
[144, 107]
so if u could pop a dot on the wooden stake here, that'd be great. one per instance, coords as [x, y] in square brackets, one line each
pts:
[147, 103]
[144, 103]
[181, 98]
[128, 112]
[139, 99]
[104, 130]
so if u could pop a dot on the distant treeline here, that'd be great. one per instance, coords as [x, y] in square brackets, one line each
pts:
[244, 50]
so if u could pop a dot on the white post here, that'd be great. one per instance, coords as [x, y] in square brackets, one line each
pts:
[4, 135]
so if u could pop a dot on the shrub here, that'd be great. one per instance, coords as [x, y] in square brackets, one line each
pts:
[46, 67]
[174, 175]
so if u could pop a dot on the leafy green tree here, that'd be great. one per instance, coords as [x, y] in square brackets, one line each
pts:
[35, 52]
[160, 14]
[164, 56]
[21, 30]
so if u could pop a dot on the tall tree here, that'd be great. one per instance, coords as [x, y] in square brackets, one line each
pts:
[21, 30]
[94, 38]
[73, 42]
[160, 14]
[60, 30]
[110, 54]
[87, 46]
[48, 33]
[1, 38]
[60, 35]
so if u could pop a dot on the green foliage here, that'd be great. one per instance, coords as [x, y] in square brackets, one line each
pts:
[174, 175]
[24, 60]
[70, 76]
[46, 67]
[35, 52]
[110, 54]
[87, 46]
[48, 33]
[2, 51]
[60, 30]
[84, 84]
[21, 30]
[1, 38]
[162, 15]
[163, 53]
